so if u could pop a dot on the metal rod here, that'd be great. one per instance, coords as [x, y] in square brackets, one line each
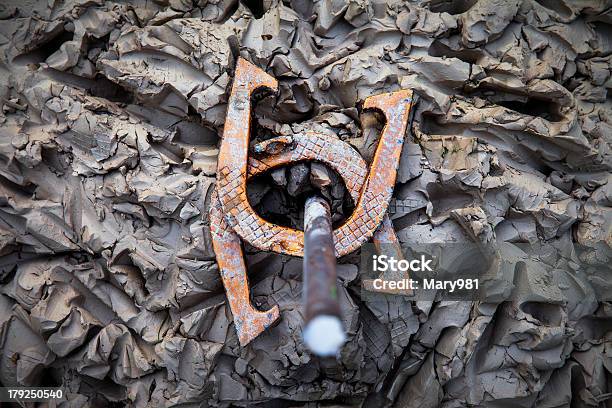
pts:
[323, 332]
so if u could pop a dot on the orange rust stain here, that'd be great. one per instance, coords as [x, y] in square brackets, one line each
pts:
[232, 217]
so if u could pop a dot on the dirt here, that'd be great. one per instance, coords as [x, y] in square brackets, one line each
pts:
[110, 123]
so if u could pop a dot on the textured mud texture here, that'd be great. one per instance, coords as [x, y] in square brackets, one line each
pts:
[110, 124]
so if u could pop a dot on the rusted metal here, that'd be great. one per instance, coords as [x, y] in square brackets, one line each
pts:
[386, 243]
[232, 217]
[323, 332]
[320, 291]
[249, 321]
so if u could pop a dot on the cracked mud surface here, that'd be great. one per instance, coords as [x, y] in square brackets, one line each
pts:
[109, 132]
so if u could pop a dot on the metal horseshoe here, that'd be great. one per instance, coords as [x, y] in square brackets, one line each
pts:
[232, 218]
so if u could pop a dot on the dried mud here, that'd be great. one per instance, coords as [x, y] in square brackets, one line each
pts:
[109, 133]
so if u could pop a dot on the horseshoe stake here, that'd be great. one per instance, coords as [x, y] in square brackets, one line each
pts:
[323, 333]
[232, 217]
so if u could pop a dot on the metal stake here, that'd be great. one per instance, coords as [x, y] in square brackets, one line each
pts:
[323, 332]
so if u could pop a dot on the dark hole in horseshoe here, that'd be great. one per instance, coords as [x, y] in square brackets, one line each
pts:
[282, 203]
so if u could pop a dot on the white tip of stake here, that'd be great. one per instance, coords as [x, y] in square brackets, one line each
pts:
[324, 335]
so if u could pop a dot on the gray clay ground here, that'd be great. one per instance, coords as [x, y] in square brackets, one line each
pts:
[111, 117]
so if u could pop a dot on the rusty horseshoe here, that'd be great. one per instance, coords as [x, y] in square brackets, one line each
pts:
[232, 218]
